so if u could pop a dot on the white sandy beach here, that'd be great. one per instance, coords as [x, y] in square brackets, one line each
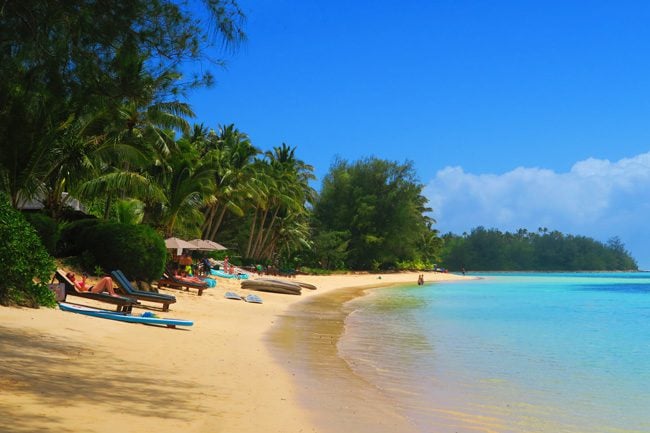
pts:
[63, 372]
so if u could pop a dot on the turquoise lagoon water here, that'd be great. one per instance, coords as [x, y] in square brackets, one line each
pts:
[509, 352]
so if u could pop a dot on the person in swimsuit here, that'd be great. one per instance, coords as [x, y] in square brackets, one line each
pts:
[106, 283]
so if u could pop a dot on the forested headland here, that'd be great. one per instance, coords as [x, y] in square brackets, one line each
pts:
[544, 250]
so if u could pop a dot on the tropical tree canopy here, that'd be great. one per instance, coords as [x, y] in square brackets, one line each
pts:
[85, 84]
[376, 211]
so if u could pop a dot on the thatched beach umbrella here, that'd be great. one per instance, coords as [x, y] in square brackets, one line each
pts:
[207, 245]
[179, 245]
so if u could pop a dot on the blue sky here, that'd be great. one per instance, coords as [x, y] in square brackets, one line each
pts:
[516, 114]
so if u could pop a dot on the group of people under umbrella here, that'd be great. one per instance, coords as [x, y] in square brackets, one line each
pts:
[183, 261]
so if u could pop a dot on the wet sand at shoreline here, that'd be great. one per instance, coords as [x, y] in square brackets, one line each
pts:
[306, 340]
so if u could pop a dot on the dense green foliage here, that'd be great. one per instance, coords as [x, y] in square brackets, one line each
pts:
[370, 215]
[84, 82]
[47, 229]
[73, 236]
[258, 206]
[98, 93]
[135, 249]
[492, 250]
[26, 266]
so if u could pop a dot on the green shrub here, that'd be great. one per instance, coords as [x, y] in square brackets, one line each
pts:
[316, 271]
[47, 229]
[72, 237]
[26, 265]
[138, 250]
[414, 265]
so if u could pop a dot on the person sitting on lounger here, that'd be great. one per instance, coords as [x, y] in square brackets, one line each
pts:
[186, 263]
[183, 276]
[106, 283]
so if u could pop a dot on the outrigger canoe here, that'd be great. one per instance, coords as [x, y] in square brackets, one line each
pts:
[274, 286]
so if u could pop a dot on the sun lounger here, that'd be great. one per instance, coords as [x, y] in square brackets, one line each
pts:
[169, 280]
[122, 303]
[125, 287]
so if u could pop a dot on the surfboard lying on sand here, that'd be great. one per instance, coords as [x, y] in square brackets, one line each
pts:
[232, 295]
[253, 299]
[147, 319]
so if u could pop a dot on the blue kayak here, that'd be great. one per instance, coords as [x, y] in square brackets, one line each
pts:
[222, 274]
[146, 318]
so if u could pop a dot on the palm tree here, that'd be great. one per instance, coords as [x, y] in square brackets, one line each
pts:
[64, 62]
[187, 190]
[279, 211]
[31, 122]
[139, 134]
[129, 211]
[231, 153]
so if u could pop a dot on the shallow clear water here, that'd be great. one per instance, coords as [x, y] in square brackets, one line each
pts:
[510, 352]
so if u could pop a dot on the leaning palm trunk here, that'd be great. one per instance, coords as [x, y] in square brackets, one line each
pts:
[268, 251]
[107, 206]
[215, 228]
[250, 234]
[260, 233]
[269, 230]
[169, 230]
[208, 220]
[54, 199]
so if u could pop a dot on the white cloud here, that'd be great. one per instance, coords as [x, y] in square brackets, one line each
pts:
[596, 198]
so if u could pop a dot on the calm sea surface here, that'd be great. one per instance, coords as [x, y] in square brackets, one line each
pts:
[510, 352]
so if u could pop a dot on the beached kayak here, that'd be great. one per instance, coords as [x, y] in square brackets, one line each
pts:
[273, 286]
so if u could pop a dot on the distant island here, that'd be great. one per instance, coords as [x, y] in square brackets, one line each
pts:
[544, 250]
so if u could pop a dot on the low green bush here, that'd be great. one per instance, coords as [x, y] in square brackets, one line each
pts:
[47, 229]
[414, 265]
[26, 265]
[138, 250]
[317, 271]
[72, 237]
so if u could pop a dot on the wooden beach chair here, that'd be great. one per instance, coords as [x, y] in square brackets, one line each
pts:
[124, 286]
[169, 280]
[122, 303]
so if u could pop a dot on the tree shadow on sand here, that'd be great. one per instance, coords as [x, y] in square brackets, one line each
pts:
[72, 376]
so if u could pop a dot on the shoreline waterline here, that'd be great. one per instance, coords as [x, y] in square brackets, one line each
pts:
[306, 342]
